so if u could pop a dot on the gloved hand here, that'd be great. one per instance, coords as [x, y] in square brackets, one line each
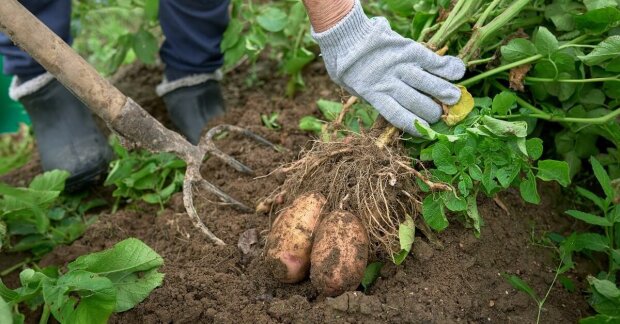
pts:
[394, 74]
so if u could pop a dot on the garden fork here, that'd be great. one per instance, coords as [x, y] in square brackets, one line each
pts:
[124, 116]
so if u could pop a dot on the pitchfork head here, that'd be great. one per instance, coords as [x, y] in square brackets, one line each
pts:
[193, 178]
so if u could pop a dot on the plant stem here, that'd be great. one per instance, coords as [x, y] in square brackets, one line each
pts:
[540, 114]
[480, 61]
[542, 302]
[536, 79]
[15, 267]
[481, 34]
[459, 15]
[485, 14]
[509, 66]
[45, 316]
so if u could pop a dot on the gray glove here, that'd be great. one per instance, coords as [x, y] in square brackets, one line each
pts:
[394, 74]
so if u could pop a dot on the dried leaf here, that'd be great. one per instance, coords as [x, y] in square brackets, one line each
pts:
[456, 113]
[517, 75]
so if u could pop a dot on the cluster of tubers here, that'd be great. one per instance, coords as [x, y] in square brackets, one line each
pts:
[332, 247]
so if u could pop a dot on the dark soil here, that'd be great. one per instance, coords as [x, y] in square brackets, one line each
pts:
[460, 282]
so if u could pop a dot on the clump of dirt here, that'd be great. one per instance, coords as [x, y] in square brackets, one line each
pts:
[205, 283]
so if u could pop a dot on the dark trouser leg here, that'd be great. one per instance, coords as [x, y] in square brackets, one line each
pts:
[191, 53]
[66, 134]
[56, 14]
[193, 30]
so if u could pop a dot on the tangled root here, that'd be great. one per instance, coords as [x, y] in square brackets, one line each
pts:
[365, 177]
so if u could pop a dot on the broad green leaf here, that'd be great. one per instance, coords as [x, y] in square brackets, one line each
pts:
[401, 7]
[504, 128]
[453, 202]
[427, 132]
[605, 287]
[562, 13]
[528, 189]
[597, 4]
[589, 218]
[552, 170]
[81, 297]
[371, 274]
[272, 19]
[145, 46]
[232, 35]
[504, 102]
[433, 213]
[443, 159]
[600, 319]
[591, 241]
[329, 109]
[602, 177]
[518, 49]
[598, 20]
[521, 285]
[534, 148]
[545, 41]
[123, 264]
[406, 236]
[6, 315]
[605, 50]
[50, 181]
[568, 284]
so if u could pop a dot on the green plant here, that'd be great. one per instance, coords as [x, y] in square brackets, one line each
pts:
[271, 121]
[141, 175]
[280, 26]
[94, 286]
[110, 33]
[605, 294]
[355, 118]
[15, 149]
[38, 218]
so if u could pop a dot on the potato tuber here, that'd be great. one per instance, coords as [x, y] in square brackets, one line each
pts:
[339, 254]
[290, 240]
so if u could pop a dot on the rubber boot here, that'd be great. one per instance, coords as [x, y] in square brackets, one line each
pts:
[66, 134]
[191, 106]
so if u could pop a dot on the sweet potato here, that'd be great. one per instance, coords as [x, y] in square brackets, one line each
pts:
[290, 240]
[339, 254]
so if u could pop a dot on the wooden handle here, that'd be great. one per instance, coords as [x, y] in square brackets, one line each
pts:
[60, 60]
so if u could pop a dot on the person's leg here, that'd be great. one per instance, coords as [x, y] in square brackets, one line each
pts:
[53, 13]
[66, 134]
[192, 57]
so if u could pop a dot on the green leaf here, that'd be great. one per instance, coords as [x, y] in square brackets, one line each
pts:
[545, 41]
[518, 49]
[80, 297]
[528, 189]
[272, 19]
[311, 124]
[589, 218]
[590, 241]
[232, 35]
[521, 285]
[453, 202]
[401, 7]
[145, 46]
[406, 236]
[151, 9]
[371, 274]
[504, 102]
[605, 50]
[534, 148]
[597, 4]
[50, 181]
[433, 213]
[5, 312]
[552, 170]
[329, 109]
[600, 319]
[599, 202]
[123, 265]
[473, 214]
[443, 159]
[604, 287]
[598, 20]
[602, 177]
[504, 128]
[568, 284]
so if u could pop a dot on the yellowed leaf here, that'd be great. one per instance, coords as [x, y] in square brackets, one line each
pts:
[457, 112]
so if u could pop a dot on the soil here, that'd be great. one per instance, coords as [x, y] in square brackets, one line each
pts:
[458, 282]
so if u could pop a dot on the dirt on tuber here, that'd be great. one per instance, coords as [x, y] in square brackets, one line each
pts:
[290, 239]
[339, 254]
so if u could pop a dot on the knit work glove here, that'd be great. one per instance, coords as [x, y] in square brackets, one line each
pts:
[394, 74]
